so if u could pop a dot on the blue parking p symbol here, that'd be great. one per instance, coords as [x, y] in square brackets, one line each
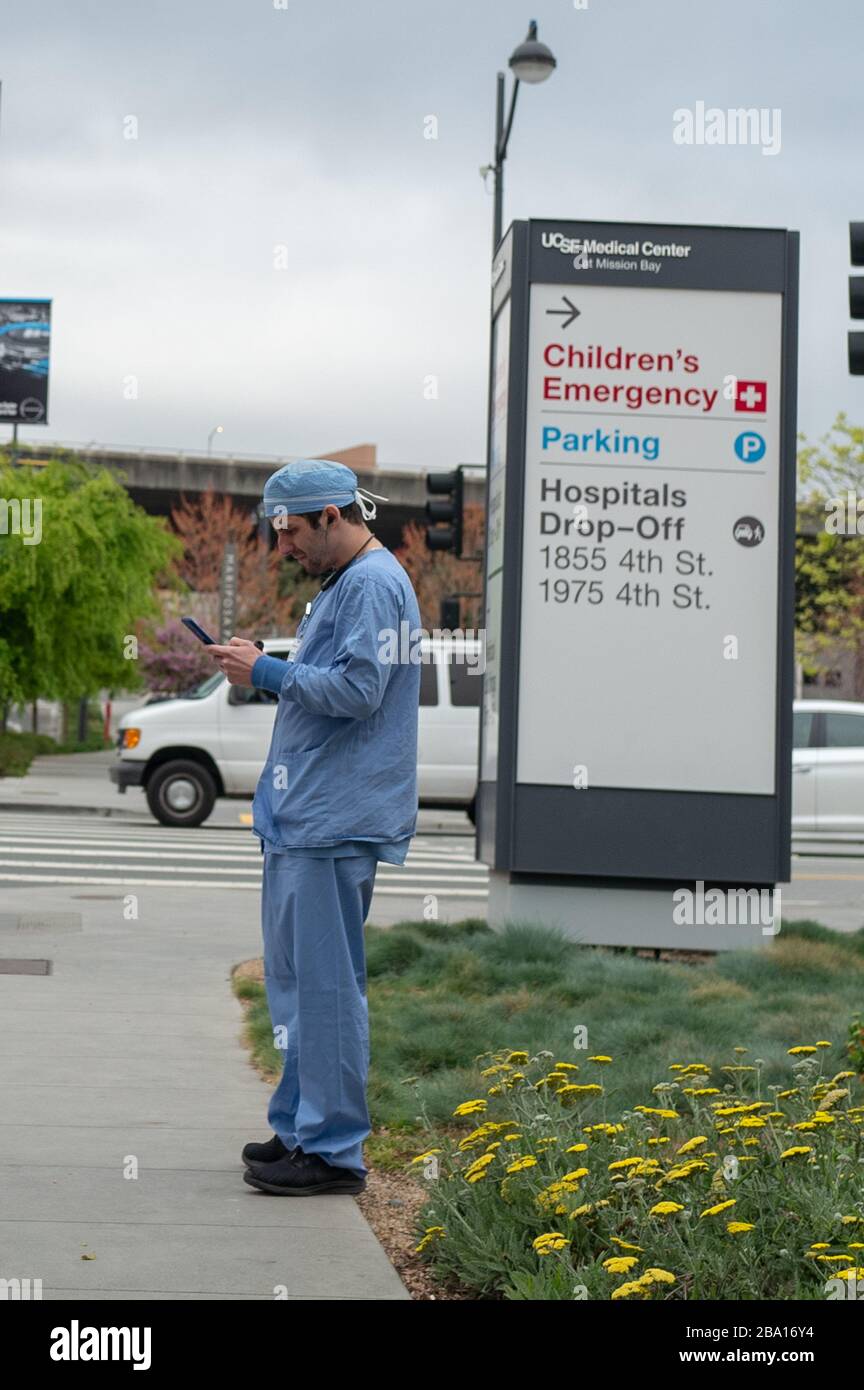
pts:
[750, 446]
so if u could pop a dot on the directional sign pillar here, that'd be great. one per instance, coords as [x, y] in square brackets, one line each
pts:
[635, 758]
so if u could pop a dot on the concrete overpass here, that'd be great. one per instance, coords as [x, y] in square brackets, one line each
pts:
[157, 479]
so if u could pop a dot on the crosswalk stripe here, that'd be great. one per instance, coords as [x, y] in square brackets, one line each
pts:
[91, 851]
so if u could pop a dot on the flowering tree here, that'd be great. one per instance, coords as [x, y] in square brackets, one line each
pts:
[269, 599]
[171, 661]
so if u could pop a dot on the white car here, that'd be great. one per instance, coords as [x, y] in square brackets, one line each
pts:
[828, 767]
[186, 751]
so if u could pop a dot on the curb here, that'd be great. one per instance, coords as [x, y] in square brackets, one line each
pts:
[33, 807]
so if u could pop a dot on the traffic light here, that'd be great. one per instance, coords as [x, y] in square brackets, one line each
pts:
[450, 613]
[447, 493]
[856, 298]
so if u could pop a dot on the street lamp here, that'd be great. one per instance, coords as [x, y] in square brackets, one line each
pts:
[531, 62]
[217, 429]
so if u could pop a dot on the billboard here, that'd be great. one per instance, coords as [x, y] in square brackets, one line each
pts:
[643, 682]
[25, 340]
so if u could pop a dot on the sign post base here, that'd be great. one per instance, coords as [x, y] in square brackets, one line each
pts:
[636, 914]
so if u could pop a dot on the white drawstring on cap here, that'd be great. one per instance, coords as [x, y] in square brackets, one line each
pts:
[368, 508]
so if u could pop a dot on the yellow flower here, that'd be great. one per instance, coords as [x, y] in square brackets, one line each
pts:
[707, 1091]
[798, 1149]
[551, 1240]
[845, 1274]
[821, 1245]
[663, 1114]
[685, 1170]
[692, 1144]
[737, 1228]
[842, 1076]
[665, 1208]
[624, 1163]
[721, 1206]
[660, 1139]
[632, 1290]
[477, 1170]
[421, 1158]
[575, 1175]
[432, 1233]
[518, 1057]
[624, 1245]
[784, 1095]
[657, 1276]
[573, 1090]
[751, 1122]
[518, 1164]
[566, 1066]
[823, 1043]
[576, 1149]
[587, 1208]
[799, 1051]
[470, 1107]
[646, 1168]
[620, 1264]
[598, 1058]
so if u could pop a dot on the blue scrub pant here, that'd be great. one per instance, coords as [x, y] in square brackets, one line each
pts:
[312, 915]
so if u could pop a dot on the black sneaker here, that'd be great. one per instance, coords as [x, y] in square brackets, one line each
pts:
[299, 1174]
[266, 1153]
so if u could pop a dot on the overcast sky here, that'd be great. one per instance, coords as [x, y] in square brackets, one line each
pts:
[303, 128]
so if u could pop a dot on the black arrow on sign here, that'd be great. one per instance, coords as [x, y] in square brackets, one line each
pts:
[571, 311]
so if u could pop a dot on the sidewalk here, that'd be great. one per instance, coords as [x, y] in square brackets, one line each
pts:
[128, 1055]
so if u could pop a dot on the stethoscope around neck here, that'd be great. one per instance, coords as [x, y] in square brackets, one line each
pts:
[330, 580]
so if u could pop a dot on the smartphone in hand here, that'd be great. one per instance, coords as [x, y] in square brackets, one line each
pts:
[199, 632]
[205, 636]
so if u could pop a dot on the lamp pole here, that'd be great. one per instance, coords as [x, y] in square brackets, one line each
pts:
[217, 429]
[531, 62]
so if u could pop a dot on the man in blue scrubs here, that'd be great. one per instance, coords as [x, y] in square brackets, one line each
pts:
[337, 794]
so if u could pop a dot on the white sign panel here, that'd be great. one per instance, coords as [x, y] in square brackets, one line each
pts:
[495, 544]
[650, 548]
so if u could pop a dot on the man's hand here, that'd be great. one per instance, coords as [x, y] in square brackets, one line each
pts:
[236, 660]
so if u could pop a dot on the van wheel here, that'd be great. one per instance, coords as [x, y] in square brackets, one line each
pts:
[471, 809]
[181, 793]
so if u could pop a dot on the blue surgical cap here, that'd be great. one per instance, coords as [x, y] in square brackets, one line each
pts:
[310, 484]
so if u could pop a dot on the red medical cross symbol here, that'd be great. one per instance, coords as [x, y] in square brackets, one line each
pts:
[752, 396]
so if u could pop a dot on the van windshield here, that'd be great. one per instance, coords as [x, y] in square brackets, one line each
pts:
[206, 687]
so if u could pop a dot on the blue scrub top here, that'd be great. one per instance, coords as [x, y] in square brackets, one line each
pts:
[341, 773]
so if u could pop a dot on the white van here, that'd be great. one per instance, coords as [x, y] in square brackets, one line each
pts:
[187, 750]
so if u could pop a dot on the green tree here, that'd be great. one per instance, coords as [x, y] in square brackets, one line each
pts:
[79, 562]
[829, 559]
